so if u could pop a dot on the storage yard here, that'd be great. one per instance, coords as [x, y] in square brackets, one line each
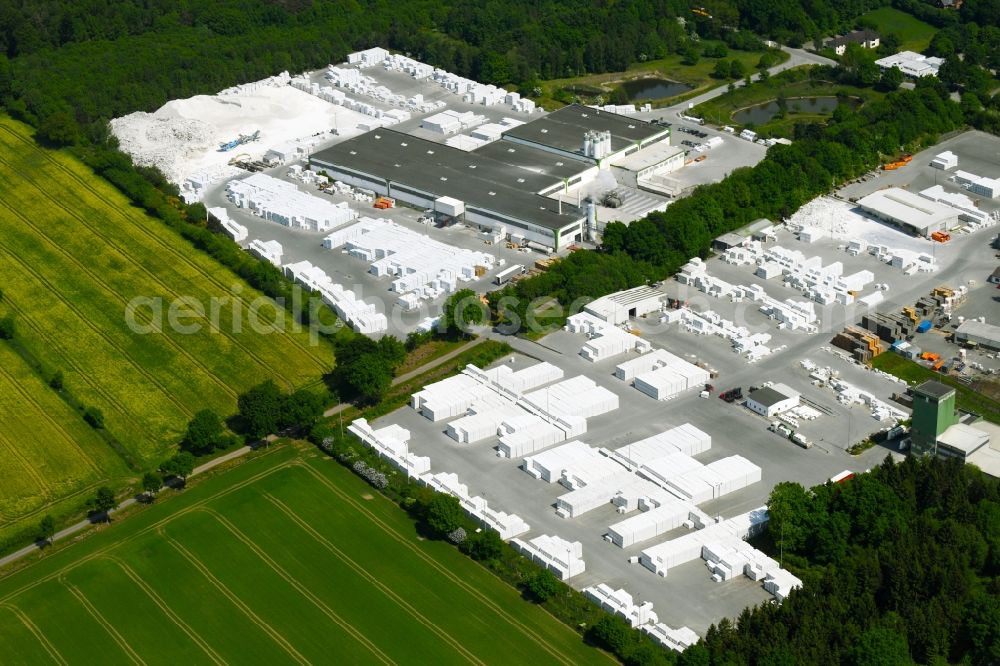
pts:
[669, 467]
[488, 169]
[641, 489]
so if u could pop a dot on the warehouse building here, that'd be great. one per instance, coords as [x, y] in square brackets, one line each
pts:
[499, 186]
[772, 400]
[960, 441]
[909, 211]
[513, 184]
[619, 307]
[978, 333]
[580, 132]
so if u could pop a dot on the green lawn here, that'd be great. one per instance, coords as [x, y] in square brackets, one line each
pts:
[286, 559]
[698, 76]
[915, 35]
[76, 253]
[913, 373]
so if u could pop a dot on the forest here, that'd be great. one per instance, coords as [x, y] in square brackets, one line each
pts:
[899, 565]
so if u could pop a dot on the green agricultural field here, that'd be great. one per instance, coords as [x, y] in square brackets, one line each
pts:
[74, 253]
[286, 559]
[48, 455]
[914, 34]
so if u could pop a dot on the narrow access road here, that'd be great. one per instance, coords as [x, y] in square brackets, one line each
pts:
[796, 58]
[232, 455]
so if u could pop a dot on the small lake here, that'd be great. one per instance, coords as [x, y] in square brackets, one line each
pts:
[764, 112]
[639, 89]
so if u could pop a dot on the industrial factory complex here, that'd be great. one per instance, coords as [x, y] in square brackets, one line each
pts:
[520, 182]
[619, 451]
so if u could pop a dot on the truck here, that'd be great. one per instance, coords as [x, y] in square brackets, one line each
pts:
[800, 440]
[508, 274]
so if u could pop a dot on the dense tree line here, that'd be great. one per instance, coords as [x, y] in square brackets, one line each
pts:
[900, 565]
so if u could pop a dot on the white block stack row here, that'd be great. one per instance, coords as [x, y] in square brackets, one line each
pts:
[380, 117]
[419, 263]
[685, 439]
[270, 251]
[455, 395]
[280, 201]
[362, 316]
[561, 557]
[664, 556]
[233, 229]
[507, 525]
[472, 92]
[674, 639]
[619, 602]
[574, 465]
[391, 443]
[671, 514]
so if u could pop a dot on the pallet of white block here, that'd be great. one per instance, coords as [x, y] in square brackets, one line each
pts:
[574, 465]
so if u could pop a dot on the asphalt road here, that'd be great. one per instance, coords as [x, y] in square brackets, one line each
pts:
[797, 58]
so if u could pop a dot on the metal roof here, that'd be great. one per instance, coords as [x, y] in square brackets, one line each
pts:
[933, 389]
[767, 396]
[503, 177]
[964, 438]
[564, 129]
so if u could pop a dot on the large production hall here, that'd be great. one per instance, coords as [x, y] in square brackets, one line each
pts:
[528, 181]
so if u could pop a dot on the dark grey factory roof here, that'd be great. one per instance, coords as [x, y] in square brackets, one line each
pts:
[934, 389]
[767, 396]
[494, 179]
[564, 129]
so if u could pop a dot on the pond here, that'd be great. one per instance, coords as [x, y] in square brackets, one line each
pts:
[764, 112]
[638, 89]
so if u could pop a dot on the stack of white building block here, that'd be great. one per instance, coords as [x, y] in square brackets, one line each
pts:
[986, 187]
[670, 514]
[662, 557]
[574, 465]
[561, 557]
[686, 439]
[619, 602]
[419, 263]
[280, 201]
[451, 122]
[233, 229]
[967, 209]
[710, 481]
[455, 395]
[674, 639]
[363, 317]
[267, 250]
[605, 340]
[662, 375]
[391, 443]
[625, 490]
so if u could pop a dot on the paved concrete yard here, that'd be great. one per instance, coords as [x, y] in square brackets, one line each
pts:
[978, 152]
[687, 596]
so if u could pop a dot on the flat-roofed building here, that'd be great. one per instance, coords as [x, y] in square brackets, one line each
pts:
[909, 211]
[581, 132]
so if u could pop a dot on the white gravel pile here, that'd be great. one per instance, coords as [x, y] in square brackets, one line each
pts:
[182, 137]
